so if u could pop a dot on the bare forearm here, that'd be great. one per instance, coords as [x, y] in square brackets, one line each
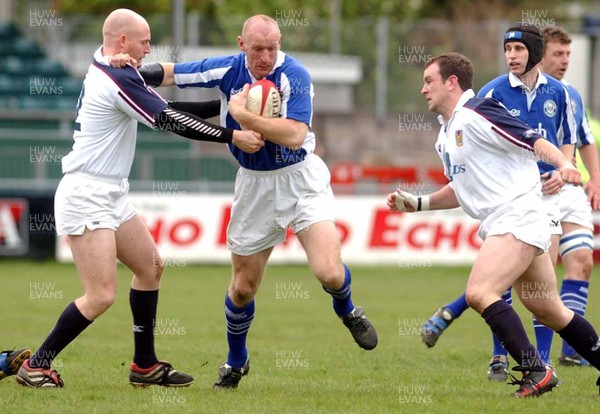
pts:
[443, 199]
[281, 131]
[550, 154]
[568, 151]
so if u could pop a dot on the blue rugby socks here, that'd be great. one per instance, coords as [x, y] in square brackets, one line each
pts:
[458, 306]
[574, 294]
[342, 300]
[239, 320]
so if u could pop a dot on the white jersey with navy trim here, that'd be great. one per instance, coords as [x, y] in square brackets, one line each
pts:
[546, 108]
[111, 103]
[488, 155]
[584, 132]
[229, 74]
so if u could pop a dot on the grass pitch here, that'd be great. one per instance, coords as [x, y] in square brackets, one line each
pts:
[303, 359]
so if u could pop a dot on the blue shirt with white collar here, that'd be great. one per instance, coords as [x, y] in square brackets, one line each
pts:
[229, 74]
[546, 108]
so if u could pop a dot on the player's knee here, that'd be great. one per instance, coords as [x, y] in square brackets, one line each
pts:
[330, 272]
[330, 276]
[102, 300]
[158, 267]
[242, 291]
[157, 271]
[578, 265]
[474, 298]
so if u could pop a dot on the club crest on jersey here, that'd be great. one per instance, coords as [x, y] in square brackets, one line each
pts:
[459, 138]
[549, 108]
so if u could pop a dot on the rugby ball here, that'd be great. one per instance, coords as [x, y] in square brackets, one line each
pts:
[264, 99]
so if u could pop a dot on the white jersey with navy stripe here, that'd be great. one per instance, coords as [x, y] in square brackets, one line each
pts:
[111, 103]
[546, 108]
[229, 74]
[487, 155]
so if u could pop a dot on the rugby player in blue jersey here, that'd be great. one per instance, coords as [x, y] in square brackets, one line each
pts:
[283, 185]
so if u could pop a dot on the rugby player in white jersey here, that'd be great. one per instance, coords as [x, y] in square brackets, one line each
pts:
[92, 209]
[484, 151]
[543, 103]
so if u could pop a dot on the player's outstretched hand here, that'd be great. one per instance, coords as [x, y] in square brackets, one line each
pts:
[552, 183]
[402, 201]
[120, 60]
[248, 141]
[592, 188]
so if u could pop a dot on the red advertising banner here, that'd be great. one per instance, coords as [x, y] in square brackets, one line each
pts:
[192, 229]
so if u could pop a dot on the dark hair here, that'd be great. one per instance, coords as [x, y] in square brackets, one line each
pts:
[454, 64]
[556, 34]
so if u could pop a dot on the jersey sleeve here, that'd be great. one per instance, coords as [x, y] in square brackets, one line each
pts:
[136, 99]
[501, 127]
[297, 93]
[567, 130]
[206, 73]
[487, 91]
[584, 132]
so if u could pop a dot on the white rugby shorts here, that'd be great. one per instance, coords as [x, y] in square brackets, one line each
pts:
[525, 218]
[83, 200]
[574, 206]
[551, 203]
[266, 203]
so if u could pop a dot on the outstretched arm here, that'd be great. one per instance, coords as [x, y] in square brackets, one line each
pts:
[158, 74]
[192, 127]
[204, 110]
[547, 152]
[442, 199]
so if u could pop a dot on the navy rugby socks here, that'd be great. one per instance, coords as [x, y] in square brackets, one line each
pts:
[69, 325]
[507, 326]
[143, 308]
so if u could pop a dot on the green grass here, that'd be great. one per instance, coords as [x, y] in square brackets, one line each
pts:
[330, 373]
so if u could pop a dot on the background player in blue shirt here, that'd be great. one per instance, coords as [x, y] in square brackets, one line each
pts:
[577, 241]
[282, 185]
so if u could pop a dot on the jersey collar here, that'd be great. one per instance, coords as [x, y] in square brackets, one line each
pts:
[466, 95]
[100, 58]
[516, 82]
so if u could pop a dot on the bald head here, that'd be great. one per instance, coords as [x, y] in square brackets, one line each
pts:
[261, 25]
[125, 31]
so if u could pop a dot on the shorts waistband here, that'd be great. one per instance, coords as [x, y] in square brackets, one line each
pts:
[103, 178]
[280, 171]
